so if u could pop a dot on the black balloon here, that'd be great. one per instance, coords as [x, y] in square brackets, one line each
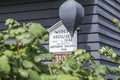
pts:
[71, 13]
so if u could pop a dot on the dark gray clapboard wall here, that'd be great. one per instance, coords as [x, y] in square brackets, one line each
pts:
[41, 11]
[109, 35]
[96, 30]
[46, 13]
[88, 37]
[100, 31]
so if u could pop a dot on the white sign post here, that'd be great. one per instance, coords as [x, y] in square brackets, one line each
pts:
[60, 39]
[61, 43]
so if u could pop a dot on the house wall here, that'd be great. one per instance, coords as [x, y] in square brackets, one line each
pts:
[109, 34]
[46, 13]
[100, 30]
[41, 11]
[96, 30]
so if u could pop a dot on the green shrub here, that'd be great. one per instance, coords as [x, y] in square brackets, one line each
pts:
[22, 53]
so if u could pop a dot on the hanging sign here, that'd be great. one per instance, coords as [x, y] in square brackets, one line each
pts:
[60, 39]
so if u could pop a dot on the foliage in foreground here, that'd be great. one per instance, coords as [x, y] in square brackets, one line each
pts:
[21, 56]
[21, 51]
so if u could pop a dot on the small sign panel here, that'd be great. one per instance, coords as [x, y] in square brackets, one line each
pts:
[60, 57]
[60, 39]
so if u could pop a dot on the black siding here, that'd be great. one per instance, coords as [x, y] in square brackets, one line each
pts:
[109, 34]
[42, 11]
[46, 13]
[88, 36]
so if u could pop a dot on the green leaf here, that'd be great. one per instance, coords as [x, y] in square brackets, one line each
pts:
[48, 77]
[115, 21]
[101, 70]
[24, 55]
[23, 73]
[114, 70]
[6, 36]
[96, 78]
[5, 68]
[118, 78]
[37, 59]
[9, 21]
[66, 68]
[27, 64]
[87, 56]
[20, 30]
[118, 26]
[3, 59]
[35, 67]
[45, 37]
[37, 29]
[25, 38]
[33, 75]
[8, 53]
[47, 56]
[12, 32]
[15, 69]
[67, 77]
[12, 23]
[79, 52]
[1, 36]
